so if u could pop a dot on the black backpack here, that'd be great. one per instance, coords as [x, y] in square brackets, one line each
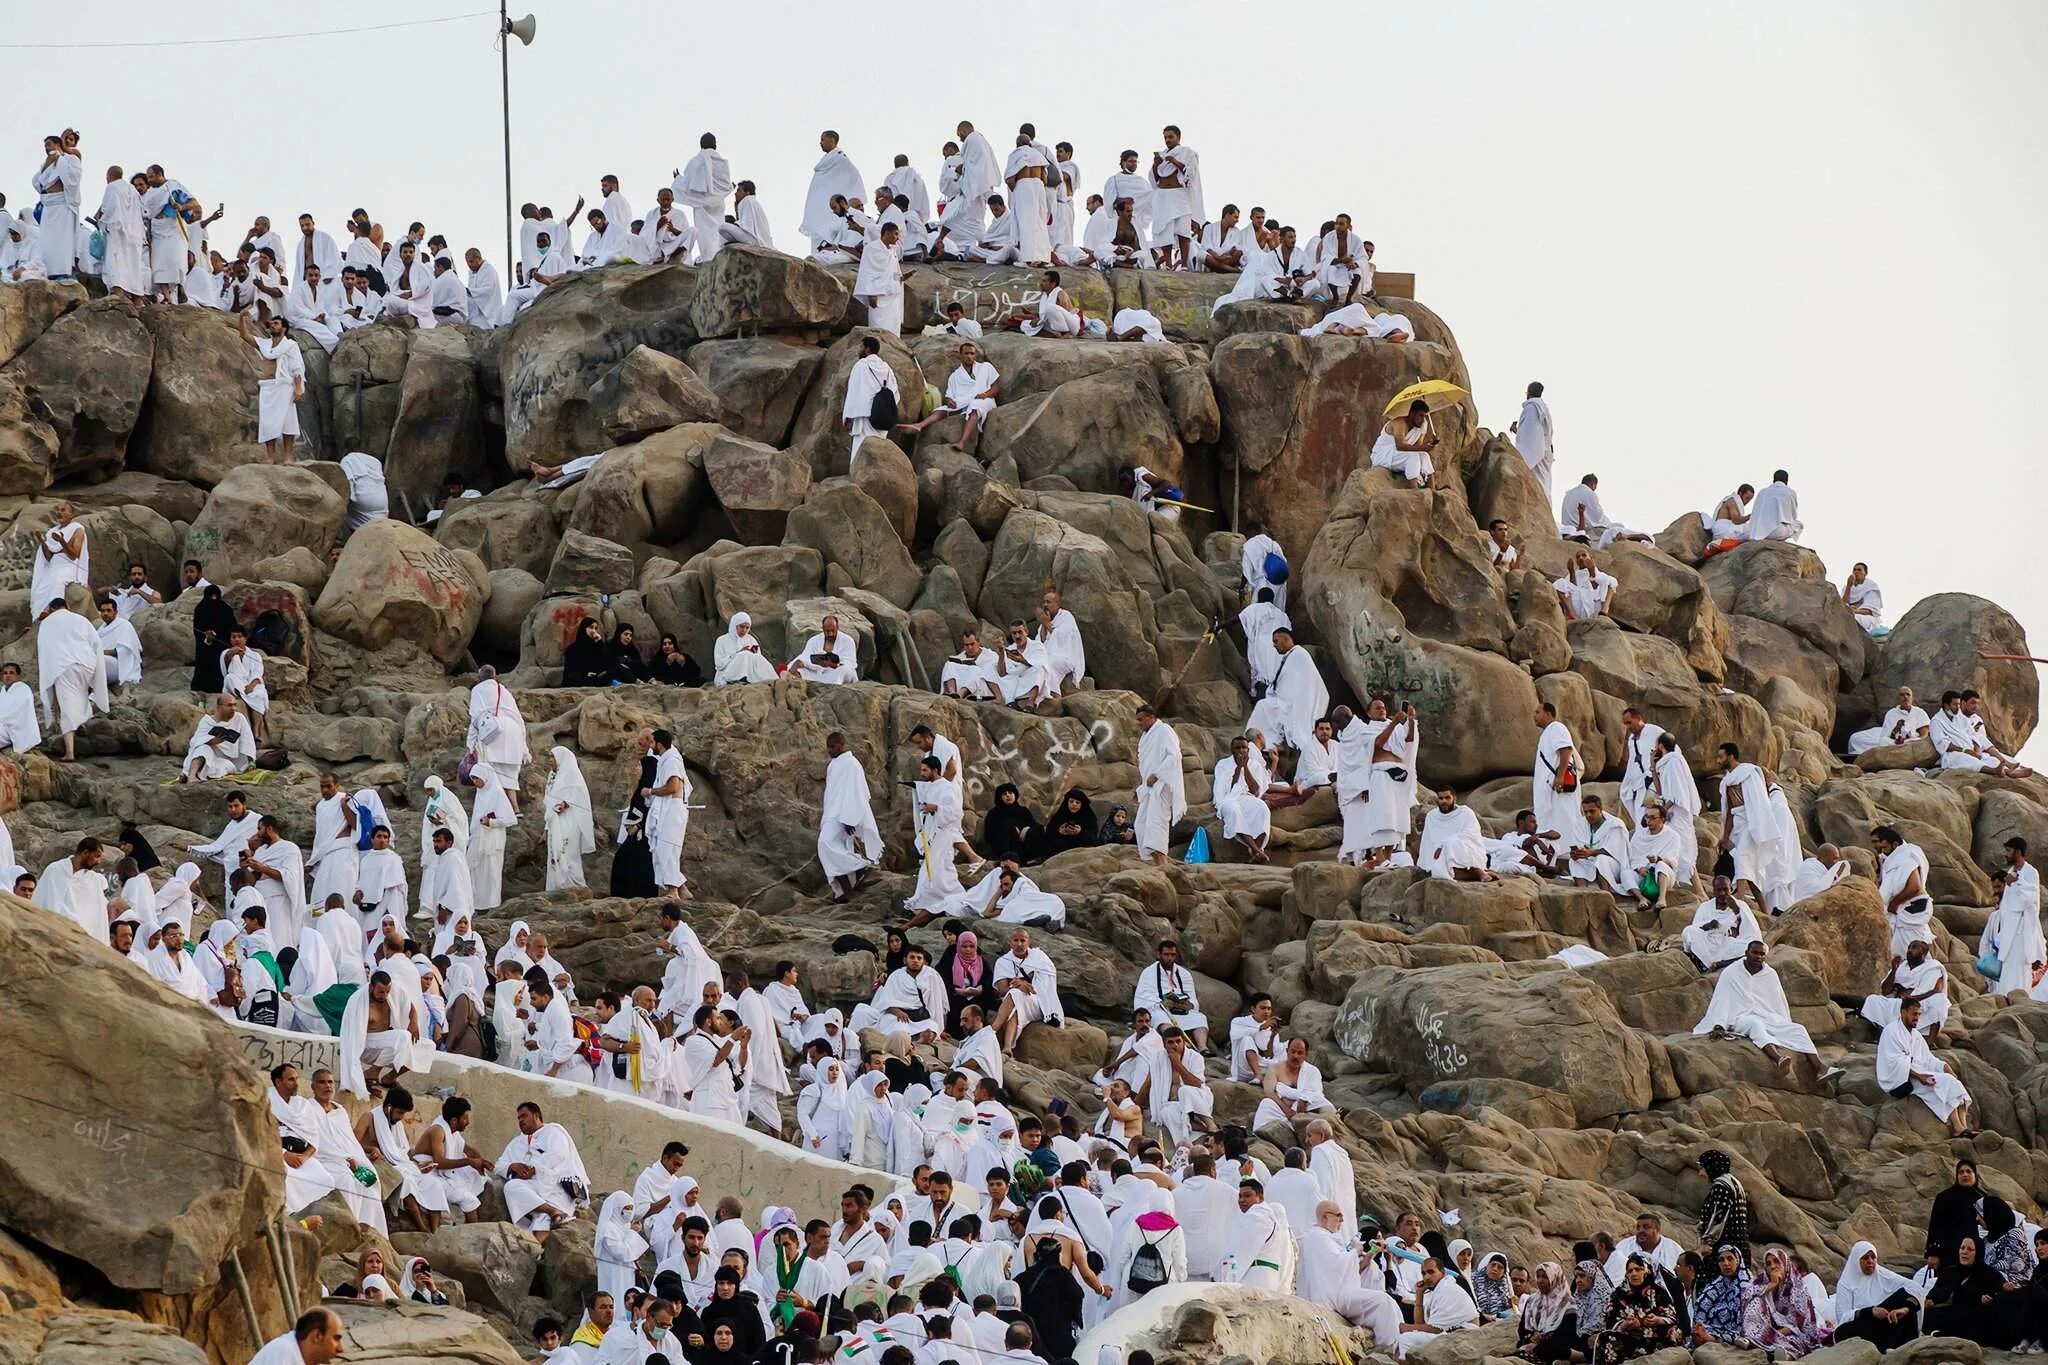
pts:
[1148, 1270]
[882, 411]
[271, 633]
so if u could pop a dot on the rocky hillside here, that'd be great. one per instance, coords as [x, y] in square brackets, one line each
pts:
[1476, 1072]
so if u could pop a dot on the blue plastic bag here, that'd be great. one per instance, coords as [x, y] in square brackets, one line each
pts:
[1198, 847]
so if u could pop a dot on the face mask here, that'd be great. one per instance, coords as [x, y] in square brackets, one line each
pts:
[656, 1333]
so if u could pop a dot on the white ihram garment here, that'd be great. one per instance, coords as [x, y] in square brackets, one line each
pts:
[1162, 802]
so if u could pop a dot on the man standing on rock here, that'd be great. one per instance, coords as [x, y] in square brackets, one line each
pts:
[72, 663]
[1162, 787]
[703, 186]
[668, 814]
[1555, 780]
[279, 390]
[849, 841]
[314, 1339]
[279, 870]
[334, 858]
[497, 731]
[73, 887]
[870, 376]
[1535, 437]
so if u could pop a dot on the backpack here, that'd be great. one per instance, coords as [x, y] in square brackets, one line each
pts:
[1148, 1269]
[271, 633]
[1276, 567]
[882, 411]
[365, 824]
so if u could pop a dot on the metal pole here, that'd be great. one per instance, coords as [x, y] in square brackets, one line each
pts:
[248, 1299]
[505, 92]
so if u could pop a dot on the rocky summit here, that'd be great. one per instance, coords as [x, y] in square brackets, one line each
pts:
[1476, 1075]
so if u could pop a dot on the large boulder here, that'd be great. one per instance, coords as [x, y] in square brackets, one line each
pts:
[578, 328]
[589, 565]
[395, 583]
[757, 289]
[508, 529]
[1787, 585]
[28, 444]
[1760, 654]
[850, 530]
[1086, 428]
[1940, 644]
[1549, 1028]
[365, 377]
[756, 485]
[759, 382]
[260, 511]
[29, 307]
[1418, 551]
[646, 493]
[1500, 484]
[438, 429]
[202, 397]
[649, 392]
[173, 1118]
[85, 378]
[1300, 415]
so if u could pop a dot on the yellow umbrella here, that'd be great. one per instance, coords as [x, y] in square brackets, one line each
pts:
[1438, 393]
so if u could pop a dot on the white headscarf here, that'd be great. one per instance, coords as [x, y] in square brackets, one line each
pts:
[465, 974]
[512, 948]
[449, 807]
[732, 627]
[492, 799]
[383, 1286]
[179, 898]
[567, 786]
[405, 1281]
[615, 1220]
[1856, 1291]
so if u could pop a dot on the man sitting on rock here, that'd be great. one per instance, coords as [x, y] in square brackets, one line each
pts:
[1816, 874]
[971, 674]
[1656, 852]
[563, 474]
[911, 1001]
[1441, 1305]
[1585, 591]
[1749, 1002]
[1776, 513]
[1916, 979]
[1906, 1066]
[1452, 845]
[972, 389]
[1903, 724]
[221, 744]
[545, 1182]
[1293, 1085]
[1166, 989]
[1583, 519]
[1602, 855]
[829, 656]
[1523, 851]
[1721, 930]
[1029, 986]
[1989, 754]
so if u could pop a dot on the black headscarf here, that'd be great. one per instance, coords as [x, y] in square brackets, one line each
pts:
[679, 670]
[893, 957]
[1113, 833]
[1054, 841]
[586, 662]
[742, 1311]
[1954, 1215]
[1052, 1300]
[1008, 831]
[212, 619]
[138, 848]
[1955, 1304]
[626, 664]
[633, 863]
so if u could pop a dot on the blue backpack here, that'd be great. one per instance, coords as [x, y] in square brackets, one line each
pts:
[1276, 567]
[364, 826]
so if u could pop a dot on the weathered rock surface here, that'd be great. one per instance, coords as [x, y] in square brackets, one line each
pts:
[394, 583]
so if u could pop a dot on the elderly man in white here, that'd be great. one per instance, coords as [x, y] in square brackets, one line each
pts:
[1749, 1002]
[1903, 724]
[497, 731]
[815, 662]
[1915, 979]
[1029, 986]
[1655, 853]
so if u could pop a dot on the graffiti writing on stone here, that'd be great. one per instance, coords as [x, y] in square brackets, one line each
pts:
[988, 298]
[1019, 758]
[1445, 1056]
[104, 1136]
[438, 569]
[1391, 664]
[201, 541]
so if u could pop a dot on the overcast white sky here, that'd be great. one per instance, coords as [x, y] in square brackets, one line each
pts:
[1728, 236]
